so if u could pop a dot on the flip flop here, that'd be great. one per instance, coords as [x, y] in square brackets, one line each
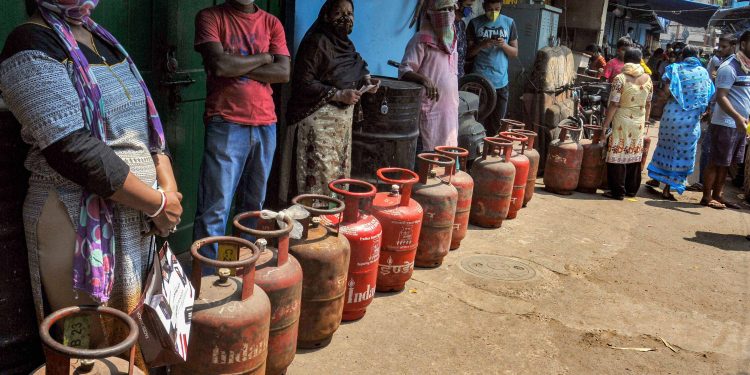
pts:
[716, 205]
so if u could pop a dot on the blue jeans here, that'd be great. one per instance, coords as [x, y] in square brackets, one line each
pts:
[237, 159]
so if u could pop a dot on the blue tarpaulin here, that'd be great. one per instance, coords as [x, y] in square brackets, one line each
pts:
[685, 12]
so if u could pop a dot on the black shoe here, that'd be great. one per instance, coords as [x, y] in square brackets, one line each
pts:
[631, 195]
[612, 196]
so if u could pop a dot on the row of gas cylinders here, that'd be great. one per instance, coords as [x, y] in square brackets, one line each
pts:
[287, 293]
[349, 249]
[576, 163]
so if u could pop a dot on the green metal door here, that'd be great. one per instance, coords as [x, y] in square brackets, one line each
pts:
[159, 36]
[182, 99]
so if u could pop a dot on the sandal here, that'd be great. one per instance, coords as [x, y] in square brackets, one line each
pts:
[652, 183]
[713, 204]
[612, 196]
[726, 204]
[695, 187]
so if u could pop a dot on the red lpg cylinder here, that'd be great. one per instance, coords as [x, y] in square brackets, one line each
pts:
[438, 199]
[365, 235]
[593, 165]
[494, 175]
[563, 165]
[401, 218]
[464, 184]
[280, 276]
[522, 164]
[507, 125]
[231, 315]
[323, 254]
[534, 158]
[66, 360]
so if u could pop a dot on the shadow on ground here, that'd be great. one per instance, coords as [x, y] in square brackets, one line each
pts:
[576, 195]
[675, 206]
[728, 242]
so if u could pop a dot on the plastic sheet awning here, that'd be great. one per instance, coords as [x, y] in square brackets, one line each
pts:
[685, 12]
[732, 20]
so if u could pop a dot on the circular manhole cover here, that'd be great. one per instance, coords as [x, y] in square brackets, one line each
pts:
[497, 267]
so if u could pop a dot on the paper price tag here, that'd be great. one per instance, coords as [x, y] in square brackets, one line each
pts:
[229, 252]
[77, 332]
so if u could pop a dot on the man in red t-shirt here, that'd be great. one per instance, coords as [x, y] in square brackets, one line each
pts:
[244, 51]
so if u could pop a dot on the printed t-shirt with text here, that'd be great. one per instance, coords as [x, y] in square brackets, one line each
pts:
[240, 100]
[492, 62]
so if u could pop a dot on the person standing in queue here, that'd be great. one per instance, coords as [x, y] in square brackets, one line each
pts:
[431, 60]
[328, 76]
[727, 45]
[597, 61]
[629, 107]
[729, 123]
[463, 11]
[615, 65]
[244, 51]
[96, 159]
[690, 90]
[493, 40]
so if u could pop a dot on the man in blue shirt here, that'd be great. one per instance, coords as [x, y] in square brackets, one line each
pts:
[492, 41]
[728, 123]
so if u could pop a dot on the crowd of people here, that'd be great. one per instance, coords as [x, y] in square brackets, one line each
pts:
[698, 89]
[102, 183]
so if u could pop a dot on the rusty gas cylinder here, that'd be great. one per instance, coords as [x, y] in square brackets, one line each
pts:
[534, 158]
[493, 175]
[66, 360]
[401, 218]
[464, 184]
[522, 165]
[365, 235]
[507, 125]
[324, 256]
[231, 315]
[438, 199]
[280, 276]
[592, 166]
[563, 166]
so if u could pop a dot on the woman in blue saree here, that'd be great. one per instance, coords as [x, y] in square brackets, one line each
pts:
[691, 88]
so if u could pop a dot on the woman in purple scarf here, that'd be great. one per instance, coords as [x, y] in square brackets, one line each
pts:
[101, 182]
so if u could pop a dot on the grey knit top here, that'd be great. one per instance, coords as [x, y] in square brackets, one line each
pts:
[38, 89]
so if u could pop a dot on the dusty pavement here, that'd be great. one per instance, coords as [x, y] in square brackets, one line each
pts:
[590, 274]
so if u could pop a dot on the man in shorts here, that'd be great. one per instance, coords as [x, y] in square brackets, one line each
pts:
[728, 123]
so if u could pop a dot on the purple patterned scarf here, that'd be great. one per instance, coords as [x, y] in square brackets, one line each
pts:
[94, 259]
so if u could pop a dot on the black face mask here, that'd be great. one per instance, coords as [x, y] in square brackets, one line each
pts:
[343, 25]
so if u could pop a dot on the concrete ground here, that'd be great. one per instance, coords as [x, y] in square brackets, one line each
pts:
[596, 276]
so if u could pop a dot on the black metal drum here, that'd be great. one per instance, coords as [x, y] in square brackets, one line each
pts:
[386, 135]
